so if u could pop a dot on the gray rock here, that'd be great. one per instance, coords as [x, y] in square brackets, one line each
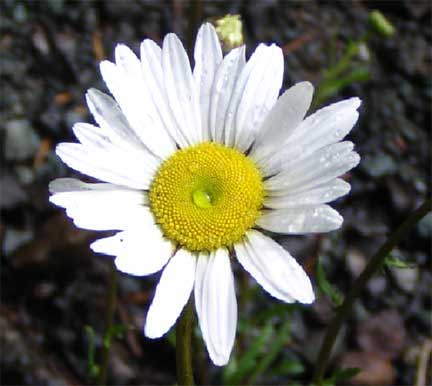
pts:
[406, 278]
[21, 141]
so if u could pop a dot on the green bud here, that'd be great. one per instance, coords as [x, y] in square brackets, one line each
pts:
[381, 24]
[229, 30]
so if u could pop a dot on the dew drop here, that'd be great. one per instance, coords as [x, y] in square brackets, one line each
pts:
[338, 133]
[201, 199]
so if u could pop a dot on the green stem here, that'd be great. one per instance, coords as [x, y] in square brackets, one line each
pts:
[373, 265]
[109, 317]
[183, 346]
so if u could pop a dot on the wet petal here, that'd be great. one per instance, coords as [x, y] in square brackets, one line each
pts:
[274, 268]
[172, 293]
[216, 304]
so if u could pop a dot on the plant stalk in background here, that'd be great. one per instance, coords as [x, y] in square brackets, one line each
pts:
[109, 317]
[373, 266]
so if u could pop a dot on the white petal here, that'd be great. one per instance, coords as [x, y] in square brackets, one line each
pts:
[301, 220]
[125, 79]
[100, 192]
[274, 268]
[259, 96]
[223, 88]
[98, 206]
[216, 304]
[98, 217]
[62, 185]
[315, 169]
[96, 140]
[111, 119]
[172, 293]
[320, 194]
[283, 118]
[139, 251]
[91, 136]
[151, 60]
[180, 89]
[325, 127]
[132, 169]
[255, 93]
[144, 113]
[208, 56]
[328, 125]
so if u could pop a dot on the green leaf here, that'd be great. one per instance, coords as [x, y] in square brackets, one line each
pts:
[344, 63]
[340, 376]
[325, 287]
[93, 368]
[277, 310]
[171, 337]
[343, 375]
[289, 367]
[276, 346]
[249, 359]
[393, 261]
[116, 331]
[331, 86]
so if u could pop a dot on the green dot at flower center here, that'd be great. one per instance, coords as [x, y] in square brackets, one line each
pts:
[202, 199]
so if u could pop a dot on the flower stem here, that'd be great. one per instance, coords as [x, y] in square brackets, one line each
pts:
[183, 346]
[359, 284]
[109, 316]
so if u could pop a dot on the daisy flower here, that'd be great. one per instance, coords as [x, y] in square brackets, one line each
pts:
[195, 165]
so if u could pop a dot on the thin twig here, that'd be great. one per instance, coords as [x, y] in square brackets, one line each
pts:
[299, 42]
[109, 317]
[373, 265]
[183, 346]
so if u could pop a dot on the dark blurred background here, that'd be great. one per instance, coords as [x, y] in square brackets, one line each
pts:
[52, 286]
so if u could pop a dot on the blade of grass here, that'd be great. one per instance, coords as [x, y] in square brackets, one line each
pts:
[249, 359]
[276, 347]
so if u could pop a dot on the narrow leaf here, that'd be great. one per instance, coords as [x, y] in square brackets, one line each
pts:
[325, 287]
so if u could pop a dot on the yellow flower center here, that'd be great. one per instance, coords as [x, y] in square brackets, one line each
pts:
[206, 196]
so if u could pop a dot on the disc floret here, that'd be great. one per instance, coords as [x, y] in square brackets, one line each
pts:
[206, 196]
